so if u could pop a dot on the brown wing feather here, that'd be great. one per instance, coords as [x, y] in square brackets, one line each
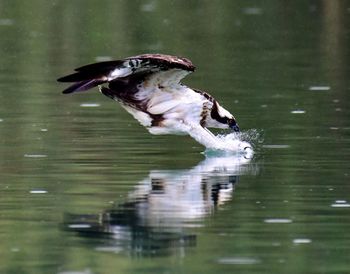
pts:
[89, 76]
[166, 61]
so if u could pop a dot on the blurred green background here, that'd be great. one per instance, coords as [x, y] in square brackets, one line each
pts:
[281, 67]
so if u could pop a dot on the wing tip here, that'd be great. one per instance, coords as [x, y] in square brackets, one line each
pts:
[67, 91]
[61, 79]
[82, 86]
[75, 77]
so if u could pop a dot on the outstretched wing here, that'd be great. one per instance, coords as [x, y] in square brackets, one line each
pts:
[173, 68]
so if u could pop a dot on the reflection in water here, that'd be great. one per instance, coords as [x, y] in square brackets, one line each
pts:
[154, 219]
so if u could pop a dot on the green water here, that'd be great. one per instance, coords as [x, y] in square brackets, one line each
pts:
[86, 189]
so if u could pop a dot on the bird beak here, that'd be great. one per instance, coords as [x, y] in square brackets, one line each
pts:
[233, 125]
[235, 128]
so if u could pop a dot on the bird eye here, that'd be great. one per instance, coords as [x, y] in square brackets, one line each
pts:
[233, 124]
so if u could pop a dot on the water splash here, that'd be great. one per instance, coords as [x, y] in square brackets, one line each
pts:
[253, 136]
[242, 143]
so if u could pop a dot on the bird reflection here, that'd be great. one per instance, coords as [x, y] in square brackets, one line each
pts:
[157, 216]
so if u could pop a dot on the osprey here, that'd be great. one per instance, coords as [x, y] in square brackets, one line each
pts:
[148, 87]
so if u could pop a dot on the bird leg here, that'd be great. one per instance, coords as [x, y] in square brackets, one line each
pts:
[203, 136]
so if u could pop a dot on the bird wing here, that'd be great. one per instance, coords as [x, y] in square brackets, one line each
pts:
[167, 69]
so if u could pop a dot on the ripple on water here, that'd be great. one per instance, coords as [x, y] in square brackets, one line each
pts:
[340, 203]
[103, 58]
[112, 249]
[298, 111]
[278, 221]
[319, 88]
[252, 11]
[79, 226]
[238, 260]
[85, 271]
[6, 22]
[302, 241]
[89, 105]
[35, 155]
[276, 146]
[38, 191]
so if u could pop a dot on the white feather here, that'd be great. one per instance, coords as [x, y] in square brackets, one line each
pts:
[163, 107]
[223, 112]
[167, 78]
[180, 107]
[119, 73]
[143, 118]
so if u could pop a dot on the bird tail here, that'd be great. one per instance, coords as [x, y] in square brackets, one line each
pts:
[89, 76]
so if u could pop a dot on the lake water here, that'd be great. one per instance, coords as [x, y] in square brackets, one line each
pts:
[85, 189]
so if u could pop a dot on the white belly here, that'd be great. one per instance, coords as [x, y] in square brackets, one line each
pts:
[178, 106]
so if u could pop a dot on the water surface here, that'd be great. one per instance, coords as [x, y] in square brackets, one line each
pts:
[85, 189]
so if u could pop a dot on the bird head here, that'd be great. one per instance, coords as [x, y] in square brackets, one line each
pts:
[222, 118]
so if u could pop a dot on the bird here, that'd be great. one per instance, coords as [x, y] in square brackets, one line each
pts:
[149, 87]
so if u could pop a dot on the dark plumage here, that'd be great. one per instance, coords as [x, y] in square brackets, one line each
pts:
[148, 87]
